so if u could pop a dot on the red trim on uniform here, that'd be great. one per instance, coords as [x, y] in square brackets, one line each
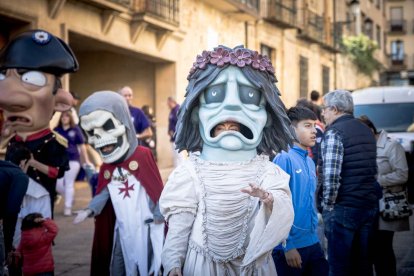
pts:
[52, 172]
[33, 136]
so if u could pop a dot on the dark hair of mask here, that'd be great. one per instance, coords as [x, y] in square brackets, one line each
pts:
[29, 223]
[369, 123]
[300, 113]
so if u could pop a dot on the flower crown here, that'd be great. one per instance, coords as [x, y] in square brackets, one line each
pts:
[238, 56]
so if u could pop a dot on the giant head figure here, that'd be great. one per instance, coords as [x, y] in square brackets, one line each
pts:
[30, 89]
[107, 123]
[232, 109]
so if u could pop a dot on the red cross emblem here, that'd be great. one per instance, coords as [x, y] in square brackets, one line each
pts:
[126, 189]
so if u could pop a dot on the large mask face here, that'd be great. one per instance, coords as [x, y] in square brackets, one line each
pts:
[106, 134]
[27, 100]
[232, 112]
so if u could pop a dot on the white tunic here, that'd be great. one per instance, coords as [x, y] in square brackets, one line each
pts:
[36, 200]
[231, 233]
[130, 202]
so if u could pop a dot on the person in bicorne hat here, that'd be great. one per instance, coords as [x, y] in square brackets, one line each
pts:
[31, 66]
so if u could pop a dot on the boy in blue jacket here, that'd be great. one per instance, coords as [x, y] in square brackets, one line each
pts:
[302, 254]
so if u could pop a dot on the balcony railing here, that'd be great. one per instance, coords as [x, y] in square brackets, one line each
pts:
[126, 3]
[282, 12]
[249, 4]
[397, 26]
[312, 27]
[397, 61]
[166, 10]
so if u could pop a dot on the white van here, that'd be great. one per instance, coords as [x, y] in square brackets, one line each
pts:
[390, 108]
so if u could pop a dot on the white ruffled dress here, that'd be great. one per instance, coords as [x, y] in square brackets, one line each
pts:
[214, 228]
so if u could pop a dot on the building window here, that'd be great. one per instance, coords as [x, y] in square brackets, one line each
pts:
[369, 28]
[396, 19]
[303, 77]
[378, 4]
[348, 19]
[378, 33]
[325, 79]
[269, 52]
[397, 52]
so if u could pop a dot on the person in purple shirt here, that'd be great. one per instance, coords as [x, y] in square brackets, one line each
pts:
[76, 151]
[172, 122]
[140, 121]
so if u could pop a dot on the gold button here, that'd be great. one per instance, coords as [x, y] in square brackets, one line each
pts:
[133, 165]
[107, 174]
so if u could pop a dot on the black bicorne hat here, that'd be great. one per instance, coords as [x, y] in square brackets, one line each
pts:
[39, 50]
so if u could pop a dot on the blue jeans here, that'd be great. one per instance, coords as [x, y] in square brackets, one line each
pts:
[349, 231]
[313, 262]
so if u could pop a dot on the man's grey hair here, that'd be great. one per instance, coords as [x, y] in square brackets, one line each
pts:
[341, 100]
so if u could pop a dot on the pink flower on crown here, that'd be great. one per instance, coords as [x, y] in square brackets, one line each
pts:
[203, 59]
[220, 56]
[259, 62]
[270, 68]
[240, 57]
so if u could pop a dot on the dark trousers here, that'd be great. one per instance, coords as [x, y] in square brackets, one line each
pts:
[383, 253]
[349, 233]
[313, 262]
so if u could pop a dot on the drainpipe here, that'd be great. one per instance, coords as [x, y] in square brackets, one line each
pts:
[246, 34]
[334, 38]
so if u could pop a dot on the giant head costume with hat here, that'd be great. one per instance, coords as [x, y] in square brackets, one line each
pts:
[31, 65]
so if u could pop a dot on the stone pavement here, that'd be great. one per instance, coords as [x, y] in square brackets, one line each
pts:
[72, 251]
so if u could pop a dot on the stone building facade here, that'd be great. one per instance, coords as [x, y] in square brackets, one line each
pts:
[150, 45]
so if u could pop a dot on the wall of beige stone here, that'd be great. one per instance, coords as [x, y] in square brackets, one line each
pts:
[157, 71]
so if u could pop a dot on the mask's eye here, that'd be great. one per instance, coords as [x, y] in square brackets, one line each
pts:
[108, 125]
[2, 75]
[90, 132]
[34, 77]
[249, 95]
[215, 93]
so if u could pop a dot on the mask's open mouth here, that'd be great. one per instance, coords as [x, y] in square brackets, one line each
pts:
[110, 148]
[18, 120]
[226, 126]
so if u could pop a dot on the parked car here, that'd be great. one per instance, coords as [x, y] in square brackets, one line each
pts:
[391, 108]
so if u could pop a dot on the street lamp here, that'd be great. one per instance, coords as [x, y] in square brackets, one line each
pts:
[368, 25]
[356, 11]
[354, 6]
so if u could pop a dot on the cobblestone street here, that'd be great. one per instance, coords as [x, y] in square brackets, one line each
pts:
[72, 251]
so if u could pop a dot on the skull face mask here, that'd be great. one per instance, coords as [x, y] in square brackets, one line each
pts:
[107, 135]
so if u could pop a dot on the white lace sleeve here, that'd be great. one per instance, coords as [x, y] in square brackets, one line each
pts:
[178, 204]
[271, 226]
[179, 194]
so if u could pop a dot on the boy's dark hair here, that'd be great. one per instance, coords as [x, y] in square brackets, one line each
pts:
[18, 152]
[368, 122]
[314, 95]
[306, 103]
[29, 223]
[300, 113]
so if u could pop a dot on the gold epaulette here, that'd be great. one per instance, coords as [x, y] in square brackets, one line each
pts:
[5, 141]
[61, 140]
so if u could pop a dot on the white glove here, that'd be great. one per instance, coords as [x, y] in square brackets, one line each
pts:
[82, 215]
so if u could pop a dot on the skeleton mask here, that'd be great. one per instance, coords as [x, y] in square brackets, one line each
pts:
[107, 134]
